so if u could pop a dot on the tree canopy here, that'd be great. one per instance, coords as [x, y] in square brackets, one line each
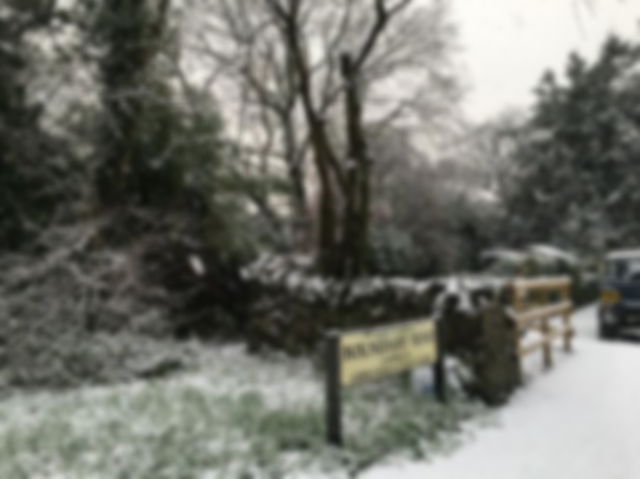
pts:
[578, 155]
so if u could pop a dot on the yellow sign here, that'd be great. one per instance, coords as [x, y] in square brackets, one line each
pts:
[379, 352]
[609, 297]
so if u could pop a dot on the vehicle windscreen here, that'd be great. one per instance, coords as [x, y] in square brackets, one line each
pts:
[624, 269]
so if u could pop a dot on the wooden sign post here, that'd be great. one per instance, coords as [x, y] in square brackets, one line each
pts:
[369, 354]
[333, 392]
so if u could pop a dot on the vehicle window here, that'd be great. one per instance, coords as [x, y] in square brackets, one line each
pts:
[625, 270]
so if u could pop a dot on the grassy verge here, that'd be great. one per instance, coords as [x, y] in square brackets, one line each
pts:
[241, 417]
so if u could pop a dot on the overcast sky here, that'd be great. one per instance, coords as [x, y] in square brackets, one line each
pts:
[507, 44]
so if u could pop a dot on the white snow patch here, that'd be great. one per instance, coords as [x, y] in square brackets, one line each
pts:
[506, 255]
[579, 420]
[197, 265]
[543, 251]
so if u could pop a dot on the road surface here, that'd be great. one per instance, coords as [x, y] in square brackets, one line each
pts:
[579, 420]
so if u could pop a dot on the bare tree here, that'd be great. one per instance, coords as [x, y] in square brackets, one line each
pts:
[247, 63]
[296, 76]
[342, 238]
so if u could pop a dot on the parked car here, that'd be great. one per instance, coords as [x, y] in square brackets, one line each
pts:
[619, 293]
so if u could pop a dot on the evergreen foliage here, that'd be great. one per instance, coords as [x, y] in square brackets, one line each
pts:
[27, 175]
[576, 184]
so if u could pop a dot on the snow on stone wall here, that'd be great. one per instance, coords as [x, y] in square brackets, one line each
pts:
[294, 276]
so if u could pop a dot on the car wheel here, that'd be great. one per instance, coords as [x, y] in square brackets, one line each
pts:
[607, 332]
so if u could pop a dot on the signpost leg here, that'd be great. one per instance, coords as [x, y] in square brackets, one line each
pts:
[333, 399]
[439, 370]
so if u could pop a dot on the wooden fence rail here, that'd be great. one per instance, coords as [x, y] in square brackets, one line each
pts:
[536, 303]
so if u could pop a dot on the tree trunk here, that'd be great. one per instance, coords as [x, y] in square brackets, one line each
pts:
[329, 258]
[300, 224]
[324, 156]
[357, 189]
[343, 234]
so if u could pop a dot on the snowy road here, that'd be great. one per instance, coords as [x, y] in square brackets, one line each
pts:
[579, 420]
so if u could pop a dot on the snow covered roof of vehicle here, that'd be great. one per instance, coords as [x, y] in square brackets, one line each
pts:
[552, 252]
[540, 252]
[504, 255]
[624, 254]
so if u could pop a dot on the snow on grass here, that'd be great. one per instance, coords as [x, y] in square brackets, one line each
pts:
[240, 417]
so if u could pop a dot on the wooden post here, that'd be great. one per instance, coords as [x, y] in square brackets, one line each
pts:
[333, 393]
[546, 349]
[568, 331]
[518, 300]
[566, 319]
[542, 297]
[517, 307]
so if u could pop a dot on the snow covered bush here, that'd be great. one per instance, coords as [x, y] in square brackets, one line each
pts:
[73, 314]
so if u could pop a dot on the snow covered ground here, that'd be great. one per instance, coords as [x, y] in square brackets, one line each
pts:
[579, 420]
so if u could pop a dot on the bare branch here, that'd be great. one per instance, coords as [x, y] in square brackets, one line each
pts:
[383, 16]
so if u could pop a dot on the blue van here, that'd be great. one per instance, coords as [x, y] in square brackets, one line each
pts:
[619, 293]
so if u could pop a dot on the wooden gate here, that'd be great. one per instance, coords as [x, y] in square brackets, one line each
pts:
[536, 304]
